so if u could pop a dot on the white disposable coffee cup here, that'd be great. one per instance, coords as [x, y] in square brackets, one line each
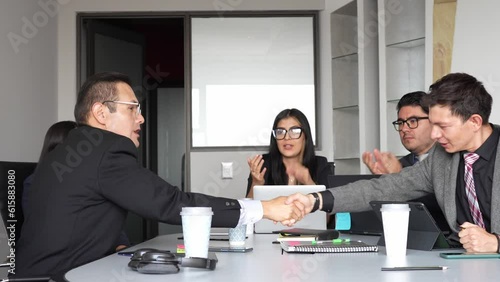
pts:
[196, 224]
[395, 221]
[237, 235]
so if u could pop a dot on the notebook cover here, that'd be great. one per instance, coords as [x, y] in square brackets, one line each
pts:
[334, 246]
[321, 234]
[290, 237]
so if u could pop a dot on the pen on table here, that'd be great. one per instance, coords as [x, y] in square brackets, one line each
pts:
[409, 268]
[211, 239]
[28, 279]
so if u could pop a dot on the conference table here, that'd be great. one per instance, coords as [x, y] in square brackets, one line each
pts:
[267, 263]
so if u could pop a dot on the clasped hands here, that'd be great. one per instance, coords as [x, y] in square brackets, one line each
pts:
[288, 210]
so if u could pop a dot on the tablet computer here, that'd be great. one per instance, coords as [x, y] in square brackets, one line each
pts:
[423, 232]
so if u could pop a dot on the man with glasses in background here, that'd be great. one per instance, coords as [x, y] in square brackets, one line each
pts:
[84, 188]
[461, 169]
[415, 134]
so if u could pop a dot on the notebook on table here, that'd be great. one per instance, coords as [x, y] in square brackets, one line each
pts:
[316, 220]
[331, 246]
[303, 234]
[423, 232]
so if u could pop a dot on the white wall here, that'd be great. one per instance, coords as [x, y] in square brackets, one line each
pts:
[203, 164]
[476, 45]
[475, 25]
[28, 77]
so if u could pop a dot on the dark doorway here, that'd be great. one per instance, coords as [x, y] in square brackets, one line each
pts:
[151, 51]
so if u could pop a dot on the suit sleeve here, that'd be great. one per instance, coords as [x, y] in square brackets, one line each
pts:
[123, 181]
[412, 182]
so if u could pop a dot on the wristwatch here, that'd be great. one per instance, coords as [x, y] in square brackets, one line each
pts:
[316, 202]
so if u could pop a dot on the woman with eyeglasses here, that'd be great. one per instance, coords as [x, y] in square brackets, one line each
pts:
[291, 152]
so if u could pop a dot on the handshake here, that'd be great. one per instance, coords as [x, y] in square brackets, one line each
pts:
[289, 210]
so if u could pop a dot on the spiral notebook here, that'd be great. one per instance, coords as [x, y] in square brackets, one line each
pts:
[331, 246]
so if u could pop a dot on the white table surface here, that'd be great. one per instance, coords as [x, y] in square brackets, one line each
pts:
[267, 263]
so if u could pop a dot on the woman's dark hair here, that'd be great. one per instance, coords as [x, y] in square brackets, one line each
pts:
[463, 93]
[278, 170]
[55, 135]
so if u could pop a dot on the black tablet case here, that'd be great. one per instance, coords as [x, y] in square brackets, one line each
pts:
[423, 232]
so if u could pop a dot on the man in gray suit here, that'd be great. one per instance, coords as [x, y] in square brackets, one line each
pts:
[459, 112]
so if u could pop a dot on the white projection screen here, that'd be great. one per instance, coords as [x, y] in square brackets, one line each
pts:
[245, 70]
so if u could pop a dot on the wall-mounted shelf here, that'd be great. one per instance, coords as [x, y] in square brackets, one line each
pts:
[355, 84]
[405, 60]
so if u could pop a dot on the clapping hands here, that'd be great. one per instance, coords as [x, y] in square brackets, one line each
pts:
[255, 164]
[381, 162]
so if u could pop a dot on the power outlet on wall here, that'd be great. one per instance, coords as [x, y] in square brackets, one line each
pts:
[227, 170]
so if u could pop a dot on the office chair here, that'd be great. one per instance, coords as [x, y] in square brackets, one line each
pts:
[12, 175]
[331, 167]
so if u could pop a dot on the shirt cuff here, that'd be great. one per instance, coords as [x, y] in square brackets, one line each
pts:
[327, 201]
[251, 211]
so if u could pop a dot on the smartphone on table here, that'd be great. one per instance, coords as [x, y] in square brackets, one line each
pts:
[230, 249]
[457, 255]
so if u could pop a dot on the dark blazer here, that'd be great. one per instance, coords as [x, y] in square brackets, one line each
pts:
[407, 160]
[122, 239]
[437, 174]
[322, 172]
[80, 196]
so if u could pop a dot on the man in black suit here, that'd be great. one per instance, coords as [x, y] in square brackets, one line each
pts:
[84, 188]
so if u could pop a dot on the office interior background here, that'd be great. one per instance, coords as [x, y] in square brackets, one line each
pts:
[356, 92]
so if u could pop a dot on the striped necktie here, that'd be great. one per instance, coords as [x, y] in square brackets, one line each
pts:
[470, 189]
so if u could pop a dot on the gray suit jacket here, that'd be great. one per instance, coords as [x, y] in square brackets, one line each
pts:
[436, 174]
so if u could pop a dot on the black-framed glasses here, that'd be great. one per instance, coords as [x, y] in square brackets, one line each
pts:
[293, 132]
[412, 123]
[137, 109]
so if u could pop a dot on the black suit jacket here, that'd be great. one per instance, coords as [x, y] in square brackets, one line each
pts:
[80, 197]
[407, 160]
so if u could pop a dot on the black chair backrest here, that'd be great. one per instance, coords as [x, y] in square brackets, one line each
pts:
[12, 175]
[366, 222]
[331, 167]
